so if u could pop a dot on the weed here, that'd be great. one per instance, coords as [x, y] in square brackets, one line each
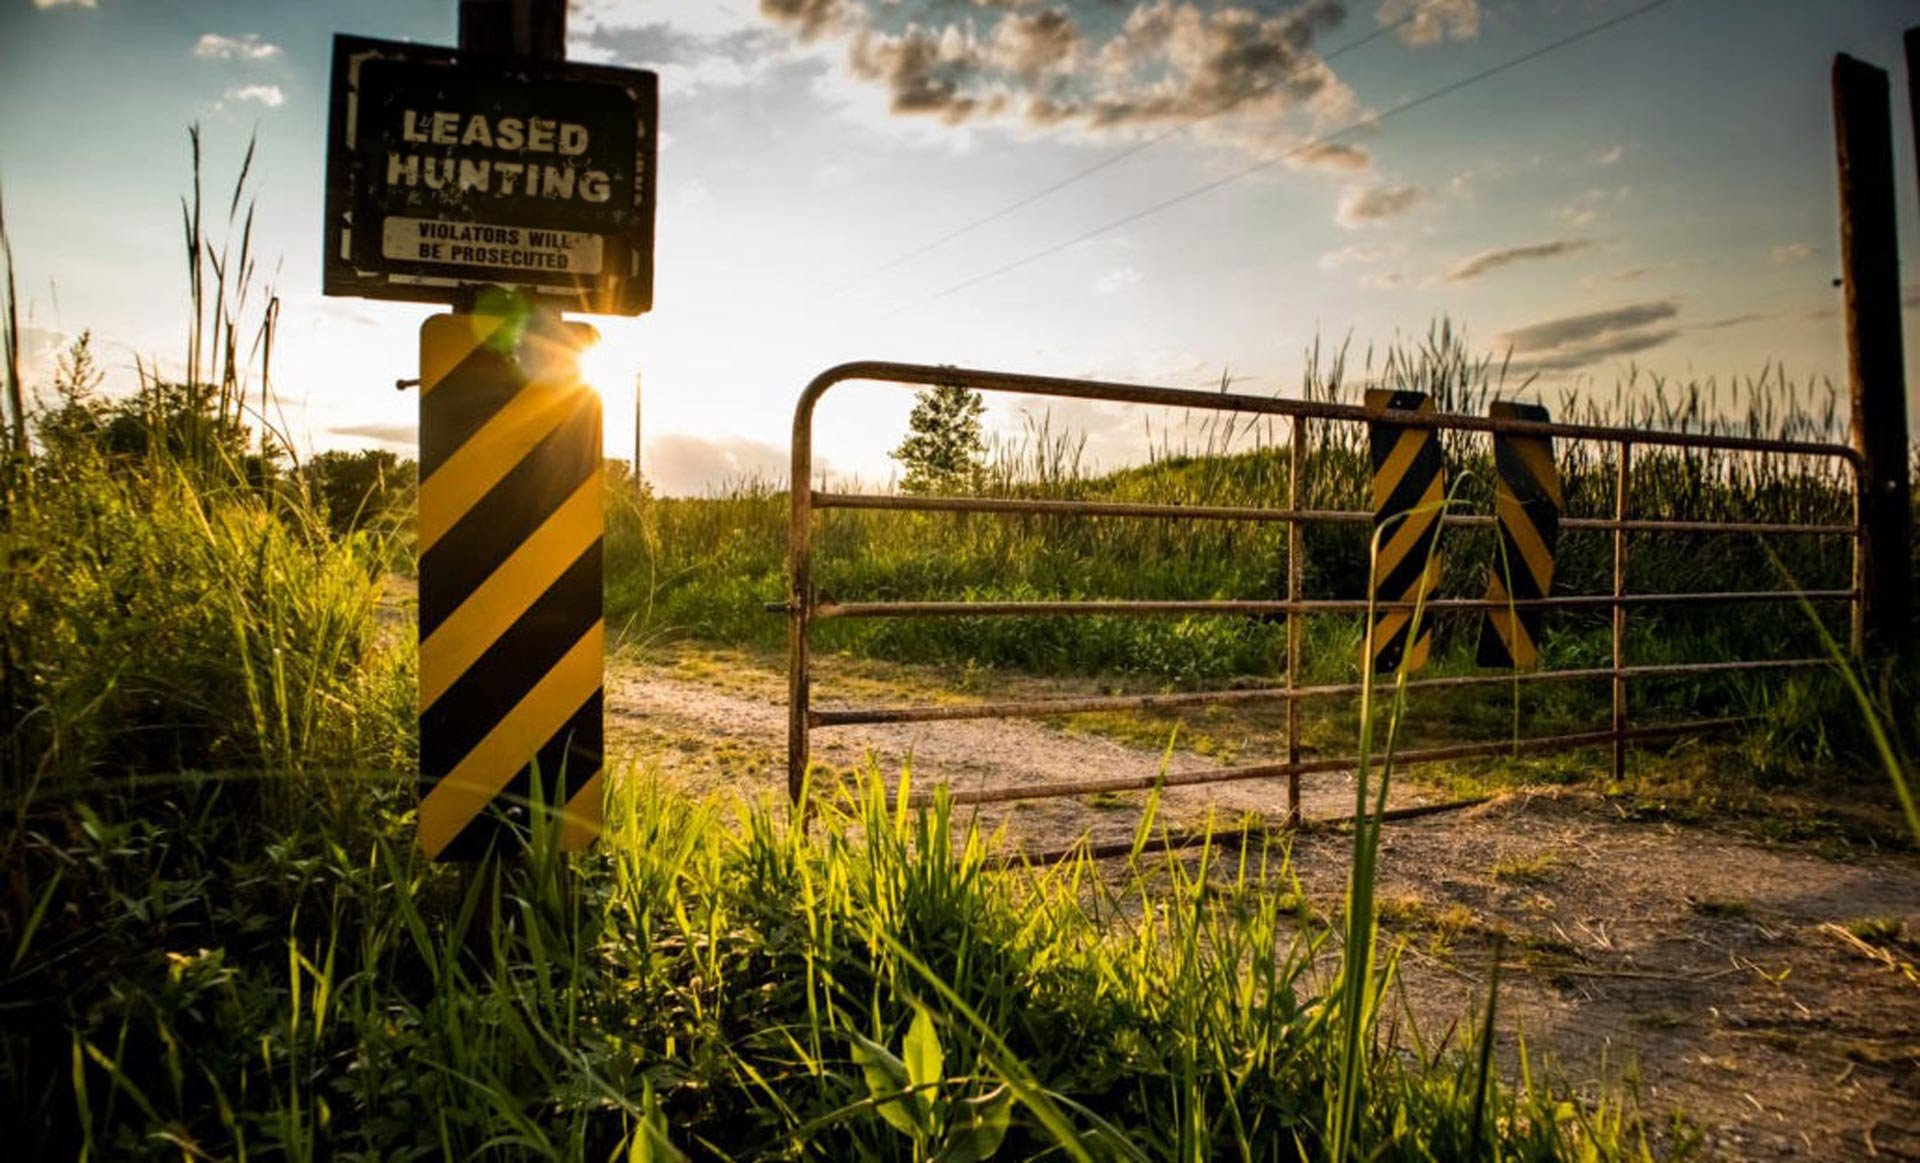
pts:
[1535, 869]
[1722, 908]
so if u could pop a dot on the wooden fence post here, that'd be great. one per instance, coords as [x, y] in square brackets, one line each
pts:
[1863, 138]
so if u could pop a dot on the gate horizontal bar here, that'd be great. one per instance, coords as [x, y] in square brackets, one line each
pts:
[1234, 835]
[882, 371]
[1250, 608]
[888, 502]
[1321, 766]
[1043, 708]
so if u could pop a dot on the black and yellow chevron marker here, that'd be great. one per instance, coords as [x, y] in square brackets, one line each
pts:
[1527, 503]
[1409, 489]
[511, 627]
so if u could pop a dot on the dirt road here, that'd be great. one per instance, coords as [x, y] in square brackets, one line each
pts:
[1763, 993]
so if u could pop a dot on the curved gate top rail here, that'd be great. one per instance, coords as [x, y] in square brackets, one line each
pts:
[802, 608]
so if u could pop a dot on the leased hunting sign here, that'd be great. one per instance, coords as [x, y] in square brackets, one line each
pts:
[448, 171]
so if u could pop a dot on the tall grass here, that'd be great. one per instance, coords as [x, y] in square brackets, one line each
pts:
[175, 601]
[720, 984]
[176, 623]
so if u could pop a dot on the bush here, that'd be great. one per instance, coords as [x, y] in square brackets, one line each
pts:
[162, 618]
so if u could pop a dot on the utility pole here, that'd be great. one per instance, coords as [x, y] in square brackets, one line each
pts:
[522, 28]
[1876, 368]
[1913, 89]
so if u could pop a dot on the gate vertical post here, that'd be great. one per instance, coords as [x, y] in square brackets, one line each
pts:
[1296, 462]
[1863, 139]
[799, 599]
[1622, 499]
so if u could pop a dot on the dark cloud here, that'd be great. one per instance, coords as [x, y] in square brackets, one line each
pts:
[1575, 341]
[925, 71]
[1242, 66]
[809, 18]
[1491, 260]
[1721, 325]
[1365, 205]
[1332, 155]
[1027, 45]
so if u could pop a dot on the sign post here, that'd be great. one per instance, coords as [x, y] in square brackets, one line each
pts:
[513, 186]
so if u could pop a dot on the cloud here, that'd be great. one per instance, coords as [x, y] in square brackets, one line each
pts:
[1359, 254]
[1432, 21]
[1734, 321]
[1575, 341]
[1101, 67]
[402, 434]
[268, 95]
[250, 47]
[1792, 252]
[1585, 209]
[1490, 260]
[1116, 280]
[66, 3]
[680, 465]
[1383, 280]
[1609, 155]
[40, 349]
[1634, 274]
[1366, 205]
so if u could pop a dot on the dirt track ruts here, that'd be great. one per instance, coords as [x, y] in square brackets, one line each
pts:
[1709, 962]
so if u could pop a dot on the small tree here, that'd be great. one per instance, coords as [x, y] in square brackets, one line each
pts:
[78, 413]
[359, 489]
[944, 450]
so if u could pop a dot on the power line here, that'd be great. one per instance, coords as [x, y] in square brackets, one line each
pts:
[1312, 143]
[1132, 150]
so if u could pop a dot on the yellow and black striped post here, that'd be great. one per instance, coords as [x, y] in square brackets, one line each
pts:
[1409, 489]
[1526, 503]
[511, 626]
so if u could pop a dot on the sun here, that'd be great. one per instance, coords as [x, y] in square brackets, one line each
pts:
[606, 368]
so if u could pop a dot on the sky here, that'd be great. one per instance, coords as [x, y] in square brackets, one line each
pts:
[867, 179]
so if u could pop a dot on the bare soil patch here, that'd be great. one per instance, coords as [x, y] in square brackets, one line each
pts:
[1763, 995]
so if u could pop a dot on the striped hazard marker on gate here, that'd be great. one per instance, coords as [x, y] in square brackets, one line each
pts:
[1409, 489]
[1526, 503]
[511, 625]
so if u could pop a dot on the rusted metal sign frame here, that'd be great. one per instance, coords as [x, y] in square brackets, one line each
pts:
[354, 265]
[803, 610]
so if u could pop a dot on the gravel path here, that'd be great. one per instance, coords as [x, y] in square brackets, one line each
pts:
[1720, 968]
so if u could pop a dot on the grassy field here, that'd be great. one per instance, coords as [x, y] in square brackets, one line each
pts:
[221, 941]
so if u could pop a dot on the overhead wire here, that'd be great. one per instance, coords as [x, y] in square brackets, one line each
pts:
[1366, 122]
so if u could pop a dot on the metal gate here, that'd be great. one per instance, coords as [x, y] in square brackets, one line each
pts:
[803, 609]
